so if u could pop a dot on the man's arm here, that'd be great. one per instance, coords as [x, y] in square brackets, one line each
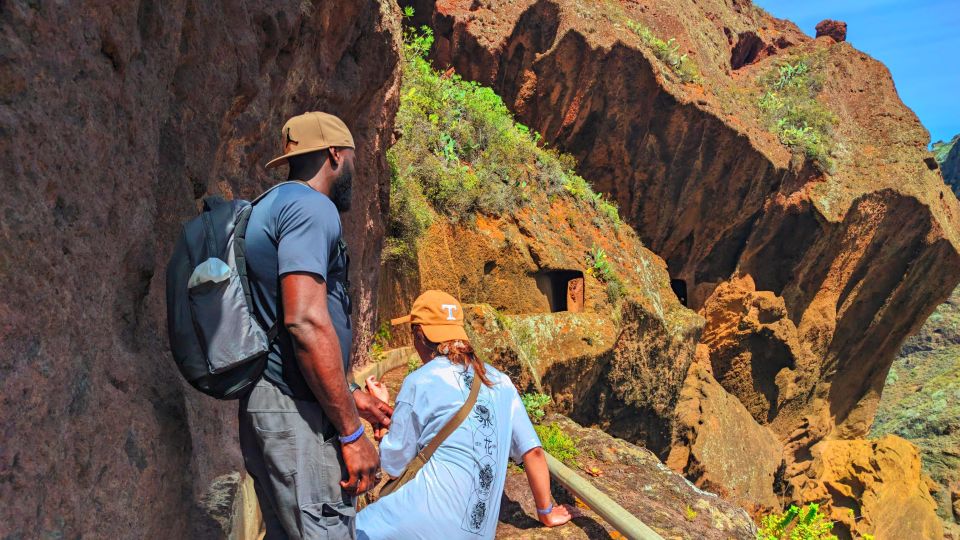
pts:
[307, 319]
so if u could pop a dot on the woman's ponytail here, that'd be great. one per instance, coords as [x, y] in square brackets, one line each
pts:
[461, 352]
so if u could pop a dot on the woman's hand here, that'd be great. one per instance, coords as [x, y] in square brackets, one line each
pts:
[377, 389]
[558, 516]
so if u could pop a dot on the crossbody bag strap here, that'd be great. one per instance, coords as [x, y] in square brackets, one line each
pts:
[454, 422]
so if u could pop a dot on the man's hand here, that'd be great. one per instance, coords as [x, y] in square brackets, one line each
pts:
[374, 411]
[362, 462]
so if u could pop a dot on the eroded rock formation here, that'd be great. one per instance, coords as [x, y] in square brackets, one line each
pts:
[873, 487]
[117, 117]
[626, 356]
[720, 447]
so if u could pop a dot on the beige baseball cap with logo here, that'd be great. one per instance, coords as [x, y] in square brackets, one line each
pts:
[439, 315]
[310, 132]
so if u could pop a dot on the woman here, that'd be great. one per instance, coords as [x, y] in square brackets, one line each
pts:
[457, 492]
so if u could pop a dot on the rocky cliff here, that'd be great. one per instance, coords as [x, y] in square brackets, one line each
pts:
[812, 248]
[859, 240]
[116, 119]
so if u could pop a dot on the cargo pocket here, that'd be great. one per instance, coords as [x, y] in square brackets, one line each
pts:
[333, 520]
[228, 333]
[279, 451]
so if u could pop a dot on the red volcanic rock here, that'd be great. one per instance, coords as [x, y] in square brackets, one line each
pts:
[720, 448]
[117, 117]
[835, 29]
[859, 256]
[873, 487]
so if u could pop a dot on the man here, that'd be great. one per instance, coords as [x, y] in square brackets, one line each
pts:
[300, 428]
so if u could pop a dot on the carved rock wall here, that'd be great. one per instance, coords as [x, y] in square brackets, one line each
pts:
[117, 117]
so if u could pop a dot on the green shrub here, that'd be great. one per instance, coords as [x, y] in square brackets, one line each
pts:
[534, 404]
[460, 153]
[599, 266]
[380, 342]
[557, 443]
[413, 363]
[796, 524]
[668, 52]
[789, 108]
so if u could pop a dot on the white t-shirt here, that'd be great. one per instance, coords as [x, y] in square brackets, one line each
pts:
[457, 493]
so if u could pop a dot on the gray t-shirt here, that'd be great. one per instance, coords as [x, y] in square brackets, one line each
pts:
[295, 228]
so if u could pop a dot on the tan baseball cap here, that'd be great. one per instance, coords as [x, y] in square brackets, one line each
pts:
[310, 132]
[439, 314]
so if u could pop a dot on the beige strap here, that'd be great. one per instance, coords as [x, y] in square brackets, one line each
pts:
[454, 422]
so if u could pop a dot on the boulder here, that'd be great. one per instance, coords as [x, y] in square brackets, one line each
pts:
[834, 29]
[870, 487]
[117, 118]
[721, 448]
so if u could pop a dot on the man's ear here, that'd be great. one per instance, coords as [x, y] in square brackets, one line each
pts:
[336, 157]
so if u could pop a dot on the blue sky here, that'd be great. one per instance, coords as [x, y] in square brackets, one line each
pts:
[918, 40]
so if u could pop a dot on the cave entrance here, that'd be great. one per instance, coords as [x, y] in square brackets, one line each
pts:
[679, 287]
[563, 289]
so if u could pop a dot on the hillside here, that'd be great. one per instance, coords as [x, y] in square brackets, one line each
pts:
[947, 155]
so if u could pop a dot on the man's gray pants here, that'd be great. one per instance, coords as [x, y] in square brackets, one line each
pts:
[292, 452]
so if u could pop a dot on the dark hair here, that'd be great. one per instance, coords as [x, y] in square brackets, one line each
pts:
[460, 352]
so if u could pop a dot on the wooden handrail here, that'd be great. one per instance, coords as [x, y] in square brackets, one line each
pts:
[624, 522]
[619, 518]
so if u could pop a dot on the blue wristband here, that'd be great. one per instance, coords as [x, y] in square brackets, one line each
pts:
[353, 436]
[546, 510]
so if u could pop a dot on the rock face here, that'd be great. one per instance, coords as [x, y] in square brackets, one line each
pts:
[873, 487]
[116, 118]
[638, 481]
[834, 29]
[919, 403]
[858, 255]
[721, 448]
[625, 356]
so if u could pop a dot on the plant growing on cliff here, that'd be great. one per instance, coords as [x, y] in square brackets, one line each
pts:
[668, 52]
[460, 152]
[534, 404]
[381, 340]
[788, 105]
[796, 524]
[599, 266]
[557, 443]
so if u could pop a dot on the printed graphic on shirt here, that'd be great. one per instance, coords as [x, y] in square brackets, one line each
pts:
[483, 424]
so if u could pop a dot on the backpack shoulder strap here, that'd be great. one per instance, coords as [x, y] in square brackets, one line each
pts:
[454, 422]
[275, 186]
[240, 252]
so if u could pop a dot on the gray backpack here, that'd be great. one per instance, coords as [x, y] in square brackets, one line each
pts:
[218, 342]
